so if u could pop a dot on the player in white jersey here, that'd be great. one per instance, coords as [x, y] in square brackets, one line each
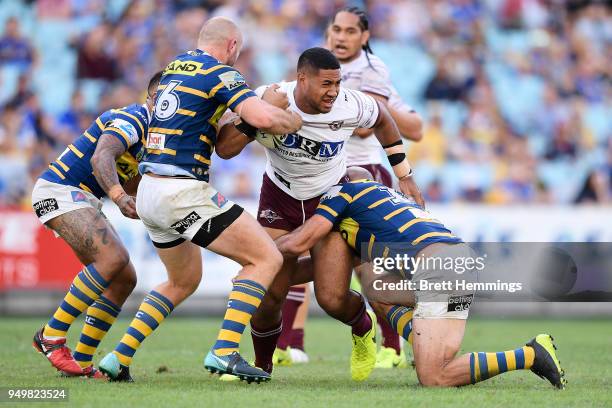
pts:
[348, 38]
[301, 167]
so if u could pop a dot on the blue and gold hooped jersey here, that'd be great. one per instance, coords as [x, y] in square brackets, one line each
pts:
[73, 166]
[194, 92]
[370, 215]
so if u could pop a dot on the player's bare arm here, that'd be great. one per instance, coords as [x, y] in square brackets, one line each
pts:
[389, 137]
[304, 237]
[235, 134]
[103, 162]
[268, 118]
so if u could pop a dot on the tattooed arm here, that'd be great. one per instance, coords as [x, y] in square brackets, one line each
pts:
[104, 166]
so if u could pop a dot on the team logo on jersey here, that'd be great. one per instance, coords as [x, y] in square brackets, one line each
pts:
[78, 197]
[331, 193]
[127, 128]
[269, 215]
[312, 147]
[186, 222]
[183, 67]
[219, 200]
[336, 125]
[46, 206]
[232, 80]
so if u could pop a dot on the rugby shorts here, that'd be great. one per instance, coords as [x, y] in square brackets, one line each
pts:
[177, 209]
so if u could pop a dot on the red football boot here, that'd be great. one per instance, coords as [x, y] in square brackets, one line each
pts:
[57, 353]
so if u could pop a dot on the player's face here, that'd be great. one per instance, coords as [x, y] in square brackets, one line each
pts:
[345, 36]
[322, 89]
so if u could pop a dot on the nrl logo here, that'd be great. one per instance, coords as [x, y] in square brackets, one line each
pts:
[336, 125]
[270, 215]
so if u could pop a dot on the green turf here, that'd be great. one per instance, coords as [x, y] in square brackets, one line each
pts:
[168, 370]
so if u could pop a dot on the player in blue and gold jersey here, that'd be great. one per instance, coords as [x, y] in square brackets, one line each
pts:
[183, 212]
[66, 198]
[376, 221]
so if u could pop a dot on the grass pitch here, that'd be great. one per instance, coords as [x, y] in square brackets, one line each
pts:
[168, 369]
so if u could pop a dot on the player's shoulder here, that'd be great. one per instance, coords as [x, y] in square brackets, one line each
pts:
[283, 86]
[376, 63]
[135, 112]
[196, 63]
[352, 98]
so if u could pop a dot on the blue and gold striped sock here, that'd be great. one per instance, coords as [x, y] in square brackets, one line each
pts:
[100, 317]
[400, 318]
[486, 365]
[244, 300]
[153, 310]
[86, 287]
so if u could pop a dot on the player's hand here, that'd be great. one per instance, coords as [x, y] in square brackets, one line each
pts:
[275, 97]
[127, 205]
[409, 187]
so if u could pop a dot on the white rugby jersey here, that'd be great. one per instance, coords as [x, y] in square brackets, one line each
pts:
[370, 77]
[307, 163]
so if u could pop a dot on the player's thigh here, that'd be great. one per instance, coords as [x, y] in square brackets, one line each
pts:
[435, 343]
[246, 242]
[91, 237]
[183, 263]
[332, 266]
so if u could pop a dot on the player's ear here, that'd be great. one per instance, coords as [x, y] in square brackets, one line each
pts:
[301, 76]
[365, 36]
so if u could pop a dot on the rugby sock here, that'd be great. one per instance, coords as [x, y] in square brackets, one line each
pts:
[390, 338]
[400, 319]
[153, 310]
[86, 287]
[361, 323]
[487, 365]
[264, 344]
[244, 300]
[297, 339]
[100, 317]
[295, 298]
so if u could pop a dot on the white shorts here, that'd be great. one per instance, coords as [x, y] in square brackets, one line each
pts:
[50, 200]
[175, 209]
[444, 304]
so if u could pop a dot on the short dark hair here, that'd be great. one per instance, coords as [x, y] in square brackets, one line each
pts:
[316, 58]
[154, 83]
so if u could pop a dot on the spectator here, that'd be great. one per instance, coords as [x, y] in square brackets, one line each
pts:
[14, 48]
[93, 58]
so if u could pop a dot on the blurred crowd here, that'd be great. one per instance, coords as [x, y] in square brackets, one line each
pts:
[515, 94]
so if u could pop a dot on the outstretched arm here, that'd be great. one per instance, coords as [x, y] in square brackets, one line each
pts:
[305, 237]
[388, 135]
[104, 164]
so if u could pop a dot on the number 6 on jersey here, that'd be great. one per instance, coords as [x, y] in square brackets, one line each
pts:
[167, 102]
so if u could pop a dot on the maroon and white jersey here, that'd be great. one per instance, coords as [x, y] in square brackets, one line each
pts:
[307, 163]
[372, 77]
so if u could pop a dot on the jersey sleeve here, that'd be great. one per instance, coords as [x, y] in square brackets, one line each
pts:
[232, 87]
[125, 127]
[366, 109]
[376, 80]
[334, 203]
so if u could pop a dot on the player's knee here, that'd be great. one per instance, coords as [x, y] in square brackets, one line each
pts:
[187, 283]
[275, 260]
[433, 377]
[129, 278]
[114, 261]
[329, 301]
[429, 378]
